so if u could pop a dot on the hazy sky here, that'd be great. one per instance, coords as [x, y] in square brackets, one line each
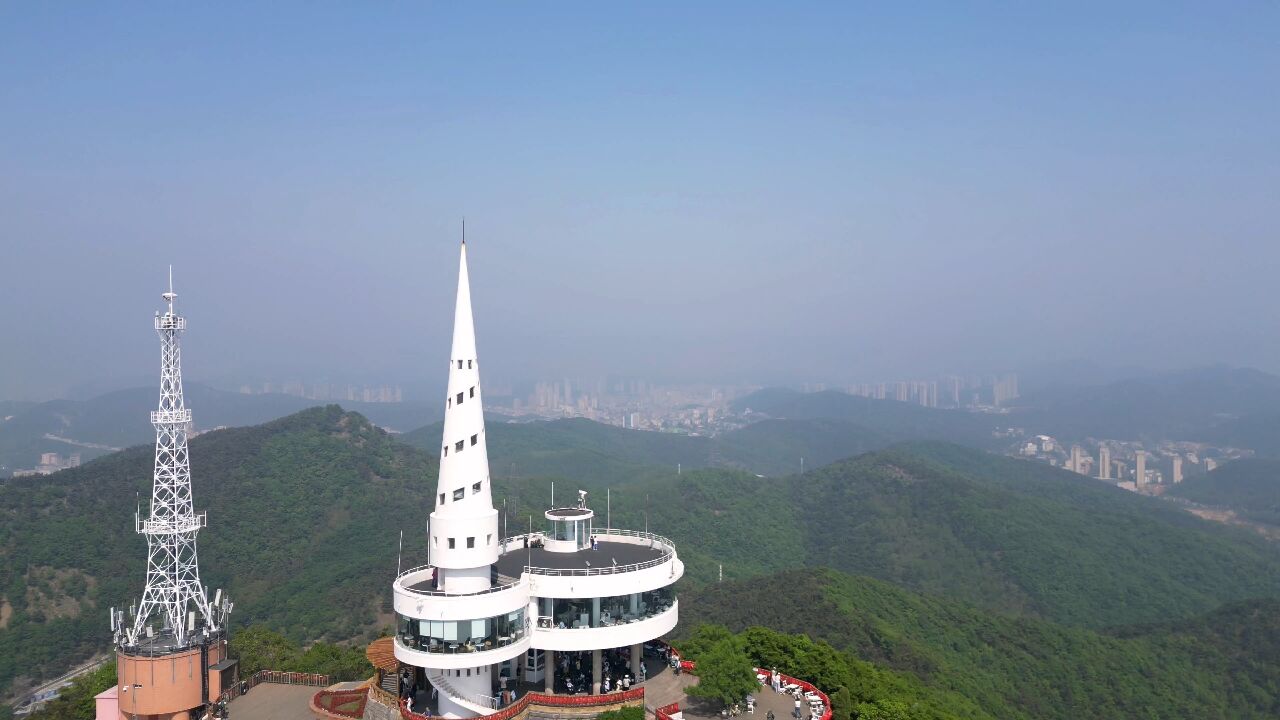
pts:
[728, 191]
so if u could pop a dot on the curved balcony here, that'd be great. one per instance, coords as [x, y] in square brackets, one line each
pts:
[414, 597]
[619, 562]
[454, 655]
[550, 635]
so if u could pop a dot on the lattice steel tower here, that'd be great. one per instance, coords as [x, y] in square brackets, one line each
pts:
[173, 594]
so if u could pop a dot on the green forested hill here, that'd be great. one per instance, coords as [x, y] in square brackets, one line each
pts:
[1259, 432]
[997, 532]
[578, 449]
[1226, 665]
[120, 419]
[899, 420]
[1250, 486]
[774, 447]
[304, 517]
[305, 512]
[592, 452]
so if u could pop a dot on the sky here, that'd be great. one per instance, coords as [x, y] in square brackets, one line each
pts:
[727, 192]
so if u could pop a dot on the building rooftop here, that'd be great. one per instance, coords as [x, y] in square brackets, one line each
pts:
[513, 562]
[571, 512]
[162, 643]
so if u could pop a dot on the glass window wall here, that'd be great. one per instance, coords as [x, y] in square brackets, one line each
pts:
[456, 636]
[566, 613]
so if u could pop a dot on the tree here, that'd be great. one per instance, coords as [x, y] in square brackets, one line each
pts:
[261, 648]
[336, 661]
[883, 710]
[724, 673]
[76, 702]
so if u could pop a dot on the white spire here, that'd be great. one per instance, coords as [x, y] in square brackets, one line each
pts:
[464, 515]
[464, 329]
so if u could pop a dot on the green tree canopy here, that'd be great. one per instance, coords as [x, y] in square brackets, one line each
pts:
[261, 648]
[725, 673]
[76, 702]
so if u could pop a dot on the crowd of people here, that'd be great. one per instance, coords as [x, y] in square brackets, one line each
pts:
[573, 671]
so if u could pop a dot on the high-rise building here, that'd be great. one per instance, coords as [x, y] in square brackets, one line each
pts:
[1177, 469]
[171, 654]
[1140, 469]
[1104, 462]
[488, 612]
[1077, 462]
[1004, 389]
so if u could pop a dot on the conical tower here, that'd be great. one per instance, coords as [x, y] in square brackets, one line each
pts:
[174, 621]
[464, 526]
[489, 617]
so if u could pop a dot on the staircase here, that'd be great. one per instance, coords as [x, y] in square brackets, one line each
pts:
[479, 704]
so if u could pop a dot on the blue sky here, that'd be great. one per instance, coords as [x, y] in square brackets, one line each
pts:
[722, 191]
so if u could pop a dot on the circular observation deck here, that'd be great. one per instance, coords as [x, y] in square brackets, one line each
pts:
[435, 629]
[415, 596]
[615, 562]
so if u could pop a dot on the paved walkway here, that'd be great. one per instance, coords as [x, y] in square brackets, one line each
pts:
[666, 688]
[270, 701]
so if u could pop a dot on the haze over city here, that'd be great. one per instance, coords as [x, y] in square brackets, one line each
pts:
[726, 193]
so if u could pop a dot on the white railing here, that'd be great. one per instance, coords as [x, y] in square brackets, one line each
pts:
[171, 525]
[655, 540]
[442, 593]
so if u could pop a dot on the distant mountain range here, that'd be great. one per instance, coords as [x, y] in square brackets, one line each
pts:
[122, 419]
[1229, 406]
[1198, 404]
[580, 449]
[1249, 487]
[894, 419]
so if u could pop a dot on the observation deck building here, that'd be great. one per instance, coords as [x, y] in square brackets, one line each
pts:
[552, 609]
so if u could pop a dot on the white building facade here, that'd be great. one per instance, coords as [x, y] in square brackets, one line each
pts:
[487, 611]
